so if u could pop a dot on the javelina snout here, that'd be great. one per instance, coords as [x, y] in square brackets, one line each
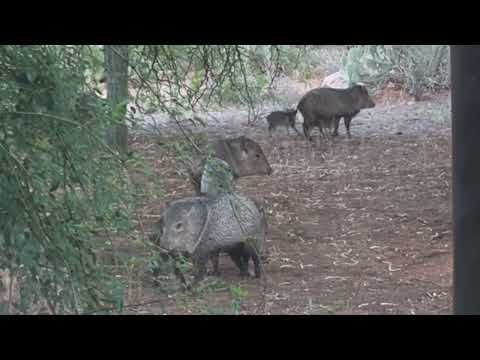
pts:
[360, 92]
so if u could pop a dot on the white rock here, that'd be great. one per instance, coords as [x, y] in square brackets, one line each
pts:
[336, 80]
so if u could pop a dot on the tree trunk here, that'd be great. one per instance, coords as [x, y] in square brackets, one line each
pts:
[116, 63]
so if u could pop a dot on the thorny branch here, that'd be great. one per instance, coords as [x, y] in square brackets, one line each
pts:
[181, 79]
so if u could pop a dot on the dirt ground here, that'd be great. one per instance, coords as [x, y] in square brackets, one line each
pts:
[357, 226]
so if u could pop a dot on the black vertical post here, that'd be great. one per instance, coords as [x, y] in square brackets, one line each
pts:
[465, 71]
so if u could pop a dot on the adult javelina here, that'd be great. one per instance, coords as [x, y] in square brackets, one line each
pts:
[244, 156]
[239, 255]
[202, 227]
[324, 107]
[285, 118]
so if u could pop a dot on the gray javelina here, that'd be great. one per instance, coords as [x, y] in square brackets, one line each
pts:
[203, 227]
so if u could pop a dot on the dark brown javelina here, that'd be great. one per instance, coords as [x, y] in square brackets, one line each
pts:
[324, 107]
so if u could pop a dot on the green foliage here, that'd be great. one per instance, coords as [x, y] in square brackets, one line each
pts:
[96, 67]
[417, 68]
[62, 189]
[237, 293]
[214, 311]
[353, 65]
[180, 79]
[301, 62]
[239, 296]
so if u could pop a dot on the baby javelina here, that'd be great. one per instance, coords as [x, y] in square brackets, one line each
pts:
[284, 118]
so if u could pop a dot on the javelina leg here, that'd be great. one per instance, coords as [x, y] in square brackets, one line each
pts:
[294, 128]
[323, 125]
[311, 127]
[331, 127]
[270, 130]
[347, 120]
[320, 130]
[306, 132]
[337, 124]
[214, 258]
[323, 132]
[326, 133]
[251, 252]
[257, 265]
[200, 262]
[242, 265]
[245, 259]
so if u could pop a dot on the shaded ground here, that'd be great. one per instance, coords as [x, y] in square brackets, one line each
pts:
[359, 226]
